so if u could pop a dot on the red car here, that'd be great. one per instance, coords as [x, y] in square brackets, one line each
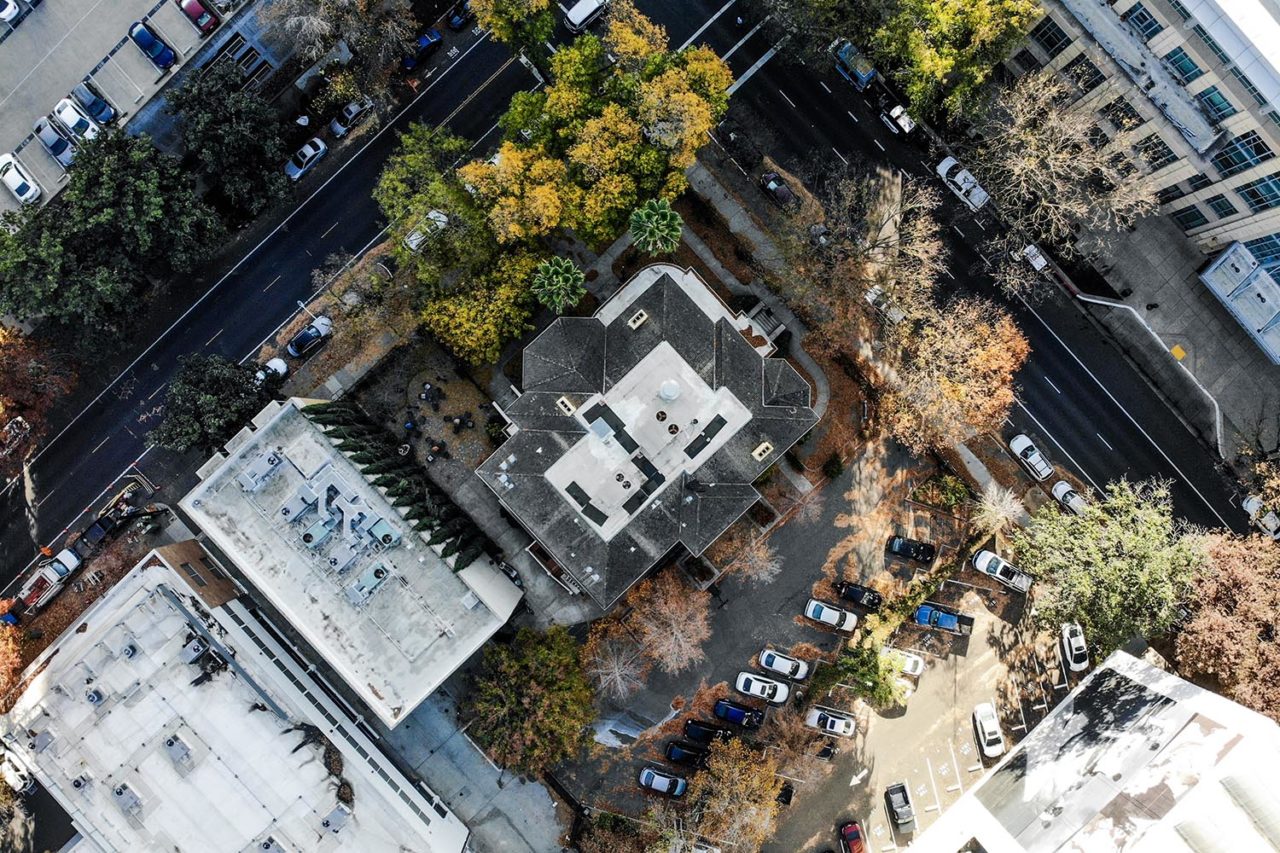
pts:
[851, 837]
[205, 21]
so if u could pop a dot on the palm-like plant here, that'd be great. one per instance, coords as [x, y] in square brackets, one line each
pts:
[558, 284]
[655, 227]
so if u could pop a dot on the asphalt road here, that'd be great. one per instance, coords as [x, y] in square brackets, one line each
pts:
[1081, 400]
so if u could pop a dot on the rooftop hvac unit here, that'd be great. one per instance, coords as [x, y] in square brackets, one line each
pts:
[129, 652]
[94, 697]
[79, 783]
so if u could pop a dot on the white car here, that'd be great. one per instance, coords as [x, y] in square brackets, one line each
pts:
[8, 10]
[1031, 252]
[433, 223]
[783, 664]
[962, 183]
[1075, 654]
[897, 120]
[907, 663]
[1031, 457]
[772, 691]
[79, 125]
[662, 782]
[273, 368]
[829, 614]
[986, 725]
[991, 564]
[15, 178]
[1065, 494]
[830, 722]
[879, 300]
[1268, 522]
[305, 159]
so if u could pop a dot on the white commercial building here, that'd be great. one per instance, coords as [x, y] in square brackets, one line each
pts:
[169, 719]
[1134, 759]
[384, 609]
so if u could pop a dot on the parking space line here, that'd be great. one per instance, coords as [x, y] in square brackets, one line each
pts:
[958, 231]
[956, 764]
[704, 26]
[1104, 441]
[878, 145]
[852, 116]
[214, 338]
[1051, 385]
[273, 281]
[785, 98]
[331, 227]
[825, 86]
[743, 41]
[841, 156]
[937, 803]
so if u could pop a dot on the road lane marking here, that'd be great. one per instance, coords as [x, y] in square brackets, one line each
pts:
[279, 227]
[852, 116]
[841, 156]
[750, 72]
[1060, 447]
[788, 100]
[1051, 385]
[273, 281]
[705, 24]
[878, 145]
[99, 447]
[743, 40]
[157, 391]
[215, 337]
[331, 227]
[1111, 397]
[1104, 441]
[825, 86]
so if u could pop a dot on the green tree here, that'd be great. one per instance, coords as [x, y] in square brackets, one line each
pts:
[128, 211]
[531, 703]
[520, 23]
[237, 145]
[945, 50]
[558, 284]
[208, 401]
[1120, 569]
[656, 228]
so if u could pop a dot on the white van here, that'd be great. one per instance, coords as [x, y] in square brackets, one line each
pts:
[583, 14]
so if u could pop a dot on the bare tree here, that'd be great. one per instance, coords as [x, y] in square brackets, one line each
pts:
[671, 621]
[310, 25]
[1052, 172]
[797, 744]
[378, 32]
[614, 661]
[758, 562]
[997, 508]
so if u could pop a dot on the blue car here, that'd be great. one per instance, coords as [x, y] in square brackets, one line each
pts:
[741, 715]
[160, 54]
[427, 44]
[461, 16]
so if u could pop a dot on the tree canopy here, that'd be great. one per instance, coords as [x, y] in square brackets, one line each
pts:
[558, 284]
[531, 704]
[235, 136]
[475, 323]
[208, 401]
[32, 379]
[127, 212]
[1230, 642]
[1120, 569]
[379, 33]
[521, 23]
[671, 620]
[738, 792]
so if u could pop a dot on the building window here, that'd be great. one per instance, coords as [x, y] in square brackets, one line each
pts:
[1244, 151]
[1121, 114]
[1221, 206]
[1275, 117]
[1155, 151]
[1189, 217]
[1169, 194]
[1182, 65]
[1266, 250]
[1143, 21]
[1212, 43]
[1027, 61]
[1198, 182]
[1215, 104]
[1083, 73]
[1050, 37]
[1248, 86]
[1097, 137]
[1262, 194]
[1180, 9]
[195, 576]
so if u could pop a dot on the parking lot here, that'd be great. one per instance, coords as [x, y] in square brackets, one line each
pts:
[56, 45]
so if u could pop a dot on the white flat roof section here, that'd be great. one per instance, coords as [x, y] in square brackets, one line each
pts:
[1250, 293]
[152, 746]
[1249, 32]
[1134, 759]
[343, 567]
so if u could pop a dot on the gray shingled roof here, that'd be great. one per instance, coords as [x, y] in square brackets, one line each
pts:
[577, 357]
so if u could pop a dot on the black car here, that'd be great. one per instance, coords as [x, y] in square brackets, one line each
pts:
[898, 799]
[738, 714]
[912, 549]
[686, 753]
[859, 594]
[777, 190]
[701, 732]
[310, 338]
[461, 16]
[785, 794]
[829, 750]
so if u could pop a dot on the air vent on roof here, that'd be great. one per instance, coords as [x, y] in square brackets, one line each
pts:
[566, 405]
[79, 783]
[336, 819]
[270, 845]
[94, 696]
[638, 319]
[126, 799]
[470, 601]
[762, 451]
[192, 651]
[129, 652]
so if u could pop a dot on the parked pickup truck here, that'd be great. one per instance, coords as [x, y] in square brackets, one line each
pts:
[48, 580]
[898, 798]
[930, 615]
[1002, 570]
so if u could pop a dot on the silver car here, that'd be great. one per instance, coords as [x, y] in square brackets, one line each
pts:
[305, 159]
[55, 143]
[1031, 457]
[352, 114]
[70, 116]
[986, 725]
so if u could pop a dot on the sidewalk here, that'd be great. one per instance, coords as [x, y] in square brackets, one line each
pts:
[1157, 267]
